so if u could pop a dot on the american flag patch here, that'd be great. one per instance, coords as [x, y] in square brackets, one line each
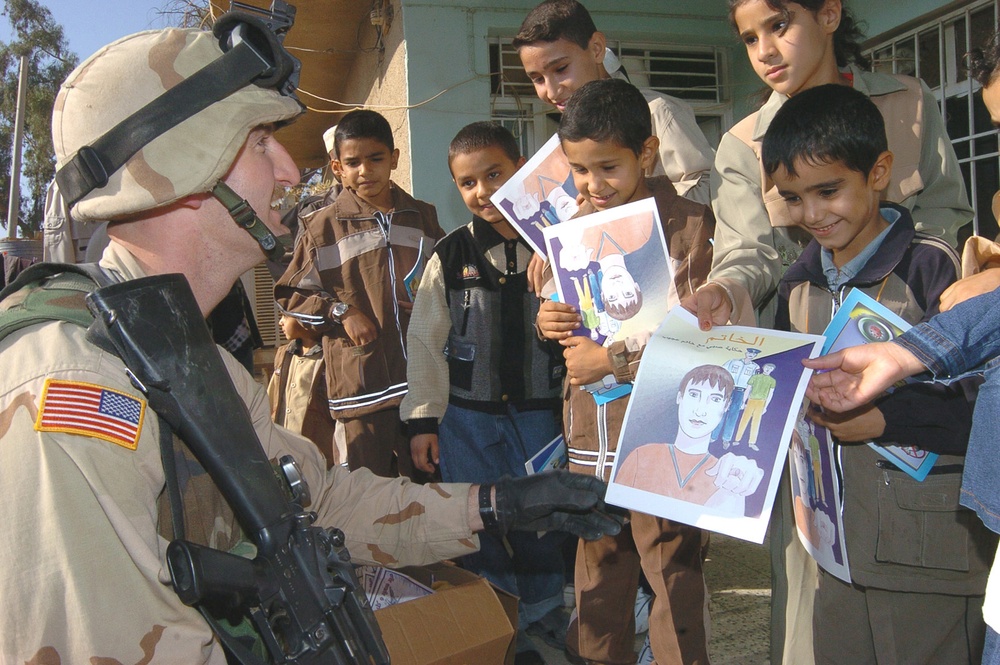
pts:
[91, 410]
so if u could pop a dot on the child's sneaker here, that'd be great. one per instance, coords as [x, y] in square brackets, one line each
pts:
[569, 596]
[551, 628]
[642, 601]
[645, 654]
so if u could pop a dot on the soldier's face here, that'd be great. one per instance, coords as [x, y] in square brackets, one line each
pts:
[263, 168]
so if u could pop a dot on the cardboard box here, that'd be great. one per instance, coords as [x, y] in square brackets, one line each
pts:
[469, 622]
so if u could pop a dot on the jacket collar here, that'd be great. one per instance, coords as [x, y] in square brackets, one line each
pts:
[871, 84]
[486, 236]
[809, 267]
[351, 205]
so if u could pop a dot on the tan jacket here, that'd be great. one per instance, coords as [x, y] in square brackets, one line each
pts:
[297, 392]
[350, 252]
[84, 576]
[754, 243]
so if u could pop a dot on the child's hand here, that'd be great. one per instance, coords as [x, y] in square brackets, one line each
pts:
[556, 320]
[711, 305]
[424, 450]
[970, 287]
[861, 424]
[586, 360]
[358, 327]
[536, 274]
[405, 306]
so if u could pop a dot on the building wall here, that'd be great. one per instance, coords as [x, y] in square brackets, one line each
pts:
[446, 54]
[447, 51]
[378, 81]
[880, 17]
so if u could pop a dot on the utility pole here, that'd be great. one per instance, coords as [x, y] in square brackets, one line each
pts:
[14, 205]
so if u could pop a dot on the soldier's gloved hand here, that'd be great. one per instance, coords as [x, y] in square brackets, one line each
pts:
[554, 500]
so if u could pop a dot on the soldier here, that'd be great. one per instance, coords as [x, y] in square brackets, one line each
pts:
[84, 576]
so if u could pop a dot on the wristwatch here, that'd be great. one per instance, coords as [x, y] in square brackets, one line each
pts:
[338, 311]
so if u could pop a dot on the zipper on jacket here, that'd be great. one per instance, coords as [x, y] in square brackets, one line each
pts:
[466, 306]
[384, 222]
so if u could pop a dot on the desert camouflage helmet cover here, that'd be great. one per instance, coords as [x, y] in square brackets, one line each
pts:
[187, 159]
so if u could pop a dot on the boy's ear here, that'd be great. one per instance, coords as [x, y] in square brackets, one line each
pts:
[520, 161]
[395, 159]
[335, 167]
[596, 46]
[829, 15]
[881, 172]
[649, 153]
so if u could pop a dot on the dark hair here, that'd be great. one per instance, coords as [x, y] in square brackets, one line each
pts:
[822, 125]
[607, 110]
[846, 40]
[983, 64]
[482, 135]
[363, 124]
[556, 19]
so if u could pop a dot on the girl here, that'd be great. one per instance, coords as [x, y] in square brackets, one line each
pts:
[794, 46]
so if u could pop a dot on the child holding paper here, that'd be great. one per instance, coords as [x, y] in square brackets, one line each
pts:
[607, 135]
[913, 552]
[490, 401]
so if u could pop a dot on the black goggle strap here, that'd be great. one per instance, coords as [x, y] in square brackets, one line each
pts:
[243, 214]
[93, 165]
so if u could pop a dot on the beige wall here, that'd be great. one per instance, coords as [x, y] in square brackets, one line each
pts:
[378, 79]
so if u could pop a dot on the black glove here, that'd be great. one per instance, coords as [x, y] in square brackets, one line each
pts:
[550, 501]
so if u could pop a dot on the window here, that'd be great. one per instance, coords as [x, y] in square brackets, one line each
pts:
[936, 52]
[692, 74]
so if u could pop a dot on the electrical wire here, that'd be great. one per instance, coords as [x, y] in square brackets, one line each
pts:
[375, 107]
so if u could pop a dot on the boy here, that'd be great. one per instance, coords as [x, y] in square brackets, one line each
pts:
[346, 281]
[913, 551]
[495, 389]
[297, 389]
[561, 49]
[607, 134]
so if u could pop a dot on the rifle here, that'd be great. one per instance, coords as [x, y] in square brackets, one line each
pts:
[300, 590]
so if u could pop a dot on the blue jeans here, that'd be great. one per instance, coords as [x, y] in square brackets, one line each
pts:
[727, 428]
[478, 447]
[991, 652]
[959, 341]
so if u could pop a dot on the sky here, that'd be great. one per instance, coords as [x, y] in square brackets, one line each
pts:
[90, 24]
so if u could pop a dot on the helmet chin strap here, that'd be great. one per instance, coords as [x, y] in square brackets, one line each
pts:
[243, 214]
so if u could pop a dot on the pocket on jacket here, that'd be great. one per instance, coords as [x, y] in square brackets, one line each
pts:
[921, 524]
[461, 357]
[361, 368]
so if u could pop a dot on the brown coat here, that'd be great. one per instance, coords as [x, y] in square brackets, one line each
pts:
[350, 252]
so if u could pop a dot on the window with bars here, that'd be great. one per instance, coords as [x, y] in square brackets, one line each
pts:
[935, 52]
[692, 74]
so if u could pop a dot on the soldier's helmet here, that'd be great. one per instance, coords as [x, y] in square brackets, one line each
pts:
[187, 158]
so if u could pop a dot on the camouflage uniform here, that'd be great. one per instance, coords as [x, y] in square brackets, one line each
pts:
[95, 587]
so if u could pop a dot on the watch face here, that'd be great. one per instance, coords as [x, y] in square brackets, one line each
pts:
[874, 329]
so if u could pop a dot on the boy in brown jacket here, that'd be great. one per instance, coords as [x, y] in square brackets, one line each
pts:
[607, 136]
[347, 280]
